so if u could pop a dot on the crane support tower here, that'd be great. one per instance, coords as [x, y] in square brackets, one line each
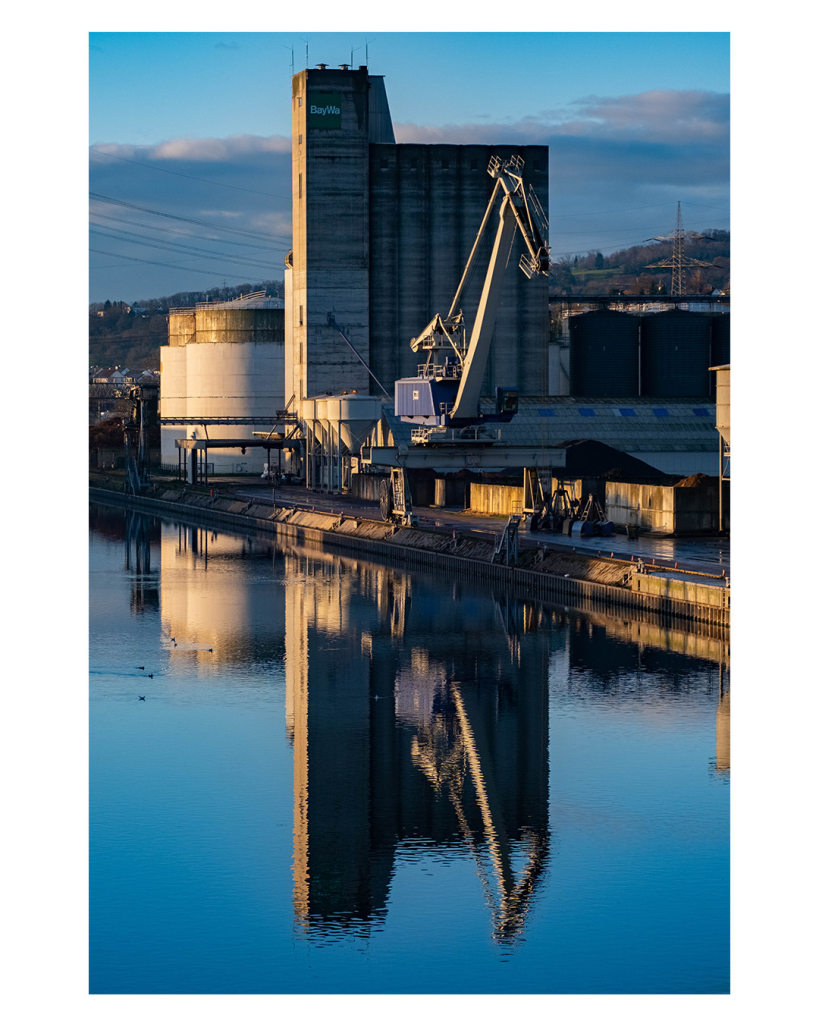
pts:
[443, 400]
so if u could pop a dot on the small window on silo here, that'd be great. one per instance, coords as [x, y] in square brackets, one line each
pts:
[301, 316]
[299, 186]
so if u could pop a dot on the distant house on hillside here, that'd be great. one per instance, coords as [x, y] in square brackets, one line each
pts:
[111, 375]
[146, 376]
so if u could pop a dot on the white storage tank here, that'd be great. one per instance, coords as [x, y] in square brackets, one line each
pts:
[227, 361]
[173, 401]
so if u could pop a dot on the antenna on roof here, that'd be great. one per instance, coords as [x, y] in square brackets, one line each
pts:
[292, 59]
[367, 51]
[306, 50]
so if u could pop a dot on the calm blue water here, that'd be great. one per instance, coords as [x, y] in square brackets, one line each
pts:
[384, 782]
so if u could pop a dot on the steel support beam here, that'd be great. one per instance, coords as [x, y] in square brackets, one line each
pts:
[464, 457]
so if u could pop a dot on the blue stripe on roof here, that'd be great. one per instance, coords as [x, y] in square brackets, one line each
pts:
[545, 412]
[627, 412]
[586, 412]
[660, 412]
[700, 412]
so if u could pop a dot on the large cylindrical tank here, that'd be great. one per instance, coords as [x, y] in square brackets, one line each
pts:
[604, 354]
[675, 353]
[173, 400]
[181, 327]
[721, 339]
[235, 368]
[223, 324]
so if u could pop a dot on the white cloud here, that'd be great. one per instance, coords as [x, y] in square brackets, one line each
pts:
[201, 150]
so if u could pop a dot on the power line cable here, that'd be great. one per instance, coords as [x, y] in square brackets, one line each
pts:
[170, 247]
[172, 216]
[206, 238]
[193, 177]
[156, 263]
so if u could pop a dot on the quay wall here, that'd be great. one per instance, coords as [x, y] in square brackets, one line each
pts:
[580, 581]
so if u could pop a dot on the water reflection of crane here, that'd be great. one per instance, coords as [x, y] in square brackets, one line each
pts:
[448, 753]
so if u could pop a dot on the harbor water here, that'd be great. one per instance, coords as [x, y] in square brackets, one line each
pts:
[350, 778]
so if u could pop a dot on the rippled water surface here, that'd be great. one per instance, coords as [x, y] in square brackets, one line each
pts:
[345, 777]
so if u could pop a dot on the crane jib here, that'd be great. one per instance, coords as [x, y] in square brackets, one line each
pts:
[452, 396]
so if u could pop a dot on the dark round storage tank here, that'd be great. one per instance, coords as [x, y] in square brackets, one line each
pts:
[675, 354]
[721, 339]
[604, 356]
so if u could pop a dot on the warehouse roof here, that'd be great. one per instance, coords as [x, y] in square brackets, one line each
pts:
[630, 424]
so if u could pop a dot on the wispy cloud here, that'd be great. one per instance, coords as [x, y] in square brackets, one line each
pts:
[609, 153]
[657, 116]
[233, 148]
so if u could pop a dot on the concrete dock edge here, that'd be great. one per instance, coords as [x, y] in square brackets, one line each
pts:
[706, 605]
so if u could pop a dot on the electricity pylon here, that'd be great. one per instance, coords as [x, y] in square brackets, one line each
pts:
[678, 261]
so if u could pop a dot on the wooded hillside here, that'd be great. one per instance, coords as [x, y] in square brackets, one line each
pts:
[131, 337]
[629, 271]
[123, 337]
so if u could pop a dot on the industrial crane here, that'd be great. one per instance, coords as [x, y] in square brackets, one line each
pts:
[446, 392]
[443, 400]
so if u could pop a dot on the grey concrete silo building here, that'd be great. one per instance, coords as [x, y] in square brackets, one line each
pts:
[381, 234]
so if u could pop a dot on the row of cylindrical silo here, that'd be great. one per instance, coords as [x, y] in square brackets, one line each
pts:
[666, 355]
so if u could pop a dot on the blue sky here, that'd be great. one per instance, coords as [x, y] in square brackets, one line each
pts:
[197, 125]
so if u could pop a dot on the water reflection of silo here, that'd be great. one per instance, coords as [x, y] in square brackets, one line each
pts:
[202, 606]
[329, 711]
[384, 698]
[589, 652]
[724, 730]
